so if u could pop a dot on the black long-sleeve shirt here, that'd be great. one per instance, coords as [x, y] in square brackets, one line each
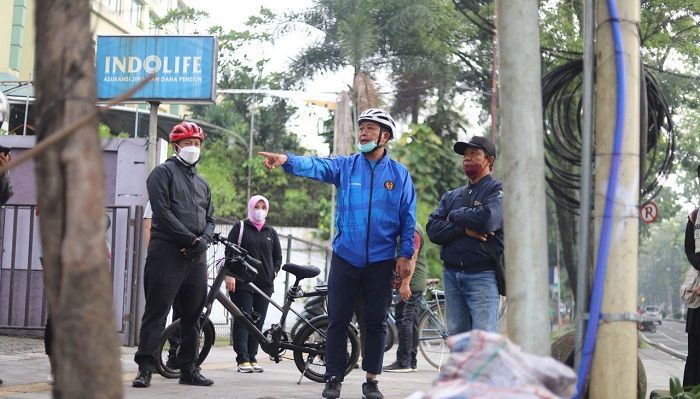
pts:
[181, 202]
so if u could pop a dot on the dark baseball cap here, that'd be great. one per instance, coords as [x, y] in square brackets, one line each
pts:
[477, 142]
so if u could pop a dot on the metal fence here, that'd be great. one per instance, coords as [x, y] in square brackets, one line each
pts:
[22, 297]
[23, 302]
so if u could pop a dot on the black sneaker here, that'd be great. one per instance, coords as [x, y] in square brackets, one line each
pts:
[332, 389]
[370, 390]
[397, 368]
[195, 378]
[142, 380]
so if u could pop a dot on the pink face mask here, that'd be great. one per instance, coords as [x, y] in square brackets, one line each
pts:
[257, 215]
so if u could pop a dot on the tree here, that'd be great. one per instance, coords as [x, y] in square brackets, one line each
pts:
[177, 18]
[435, 169]
[71, 199]
[225, 160]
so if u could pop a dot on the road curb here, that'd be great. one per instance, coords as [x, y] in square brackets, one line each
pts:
[664, 348]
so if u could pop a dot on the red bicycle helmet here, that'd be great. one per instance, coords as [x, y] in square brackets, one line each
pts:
[186, 130]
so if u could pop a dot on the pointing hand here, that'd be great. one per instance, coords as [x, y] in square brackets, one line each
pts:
[273, 160]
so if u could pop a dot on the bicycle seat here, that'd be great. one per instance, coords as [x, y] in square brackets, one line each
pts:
[301, 271]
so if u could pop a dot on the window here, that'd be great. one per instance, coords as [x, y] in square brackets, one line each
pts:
[136, 13]
[115, 5]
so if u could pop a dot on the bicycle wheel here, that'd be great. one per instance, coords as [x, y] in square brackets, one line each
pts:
[167, 348]
[432, 335]
[313, 367]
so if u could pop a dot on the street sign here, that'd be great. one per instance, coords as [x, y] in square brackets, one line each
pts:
[184, 67]
[649, 212]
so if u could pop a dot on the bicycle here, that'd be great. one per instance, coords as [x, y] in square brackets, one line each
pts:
[308, 345]
[317, 306]
[432, 325]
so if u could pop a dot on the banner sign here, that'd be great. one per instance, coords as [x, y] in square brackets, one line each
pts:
[185, 67]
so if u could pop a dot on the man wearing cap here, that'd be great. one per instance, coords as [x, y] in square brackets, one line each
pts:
[375, 209]
[465, 219]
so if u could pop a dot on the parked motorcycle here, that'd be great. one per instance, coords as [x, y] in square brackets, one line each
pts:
[646, 325]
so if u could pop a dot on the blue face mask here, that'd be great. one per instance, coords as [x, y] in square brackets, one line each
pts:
[367, 147]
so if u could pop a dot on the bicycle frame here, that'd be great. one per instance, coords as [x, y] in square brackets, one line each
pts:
[270, 346]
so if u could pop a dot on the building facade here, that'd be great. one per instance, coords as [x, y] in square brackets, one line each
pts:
[108, 17]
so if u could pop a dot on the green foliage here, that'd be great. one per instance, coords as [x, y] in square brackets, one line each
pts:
[216, 166]
[225, 161]
[677, 391]
[178, 17]
[375, 37]
[662, 260]
[435, 169]
[434, 166]
[104, 131]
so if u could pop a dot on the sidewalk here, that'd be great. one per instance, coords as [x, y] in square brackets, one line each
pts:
[24, 368]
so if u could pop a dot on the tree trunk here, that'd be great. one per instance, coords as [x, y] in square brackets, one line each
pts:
[70, 186]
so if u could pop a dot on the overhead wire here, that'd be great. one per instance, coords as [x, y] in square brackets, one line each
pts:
[562, 105]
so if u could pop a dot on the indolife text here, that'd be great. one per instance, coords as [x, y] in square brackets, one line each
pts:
[187, 69]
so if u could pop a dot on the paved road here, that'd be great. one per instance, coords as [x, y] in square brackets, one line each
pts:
[672, 334]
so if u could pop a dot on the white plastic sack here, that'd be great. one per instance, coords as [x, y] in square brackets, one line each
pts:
[487, 365]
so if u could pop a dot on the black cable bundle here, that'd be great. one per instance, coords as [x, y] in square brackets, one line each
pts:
[562, 107]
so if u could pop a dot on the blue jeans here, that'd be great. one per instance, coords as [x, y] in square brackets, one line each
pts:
[471, 300]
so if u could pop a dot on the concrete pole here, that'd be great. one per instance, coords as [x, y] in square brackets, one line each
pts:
[522, 157]
[614, 368]
[584, 226]
[153, 135]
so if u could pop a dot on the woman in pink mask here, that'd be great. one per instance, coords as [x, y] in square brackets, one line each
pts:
[262, 243]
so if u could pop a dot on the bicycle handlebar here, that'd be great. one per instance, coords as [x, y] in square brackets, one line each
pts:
[241, 255]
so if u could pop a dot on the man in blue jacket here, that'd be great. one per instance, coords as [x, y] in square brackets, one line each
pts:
[375, 206]
[465, 219]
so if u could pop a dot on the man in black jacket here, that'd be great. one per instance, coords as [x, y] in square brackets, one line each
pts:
[465, 219]
[182, 229]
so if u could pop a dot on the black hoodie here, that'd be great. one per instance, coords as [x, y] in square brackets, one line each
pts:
[263, 245]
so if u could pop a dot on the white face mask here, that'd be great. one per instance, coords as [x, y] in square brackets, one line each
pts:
[259, 215]
[189, 154]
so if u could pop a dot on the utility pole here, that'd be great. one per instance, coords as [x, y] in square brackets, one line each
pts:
[522, 156]
[614, 368]
[253, 109]
[152, 135]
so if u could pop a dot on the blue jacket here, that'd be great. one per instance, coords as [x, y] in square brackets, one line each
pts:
[373, 207]
[478, 207]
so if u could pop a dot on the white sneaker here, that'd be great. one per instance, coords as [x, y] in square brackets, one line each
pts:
[49, 379]
[256, 367]
[245, 367]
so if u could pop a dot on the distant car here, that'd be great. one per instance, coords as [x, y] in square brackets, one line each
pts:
[562, 308]
[652, 313]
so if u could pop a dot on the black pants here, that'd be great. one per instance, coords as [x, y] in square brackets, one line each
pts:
[407, 324]
[255, 305]
[345, 284]
[48, 336]
[169, 274]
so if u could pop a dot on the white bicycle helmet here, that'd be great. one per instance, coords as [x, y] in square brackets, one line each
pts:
[379, 116]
